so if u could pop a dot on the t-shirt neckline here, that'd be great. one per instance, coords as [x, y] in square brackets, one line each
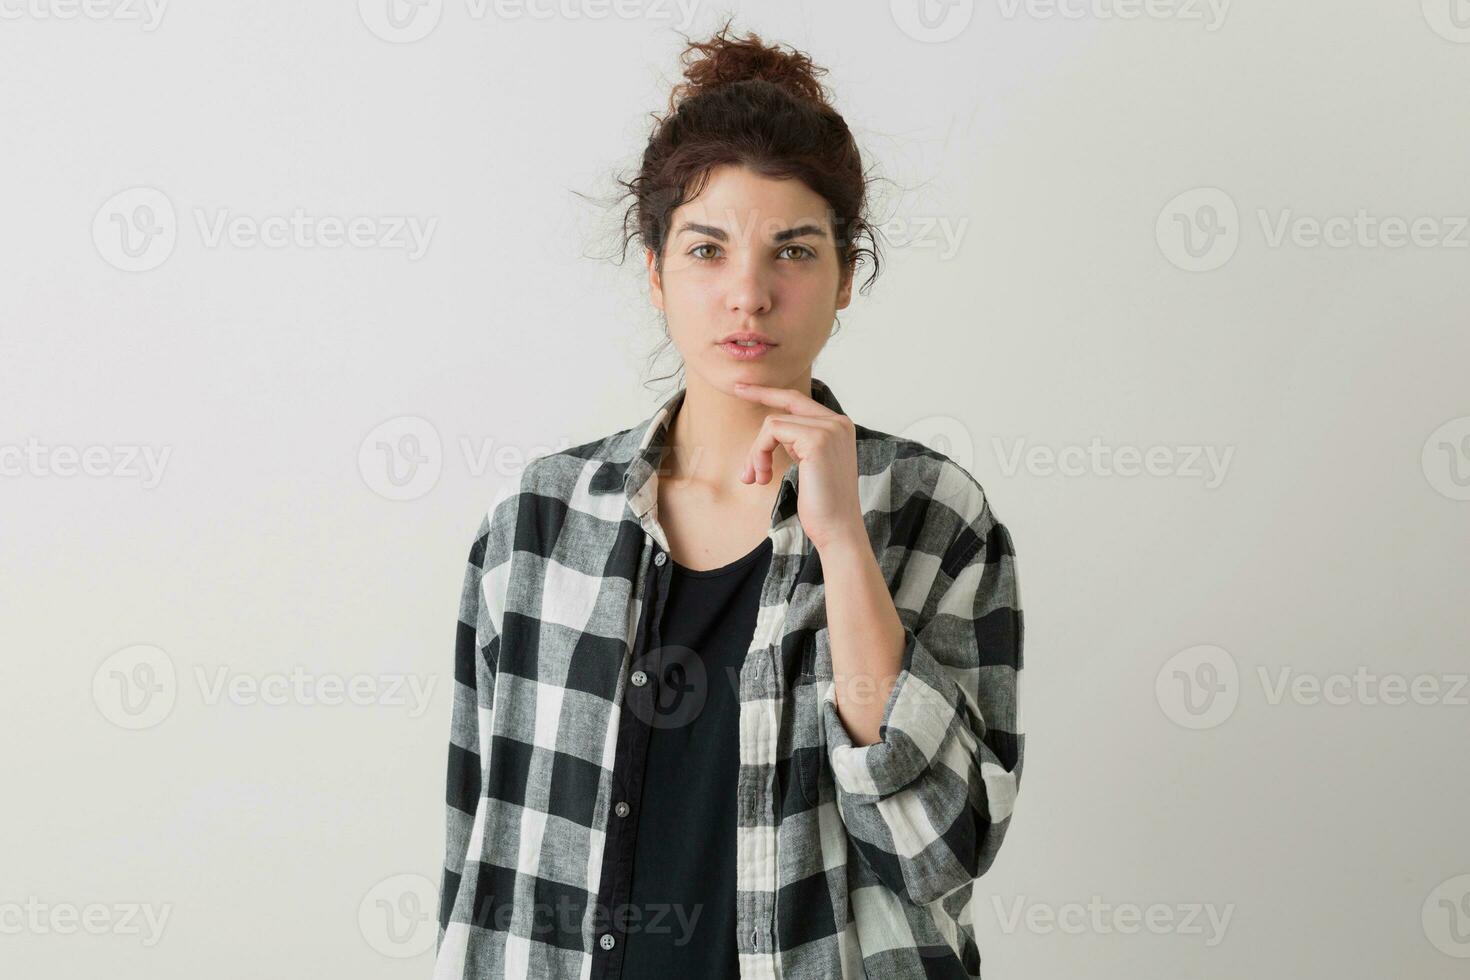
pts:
[735, 565]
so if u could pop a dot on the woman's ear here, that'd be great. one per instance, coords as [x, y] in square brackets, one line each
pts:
[844, 288]
[655, 281]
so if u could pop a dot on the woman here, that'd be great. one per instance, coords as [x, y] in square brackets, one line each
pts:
[706, 725]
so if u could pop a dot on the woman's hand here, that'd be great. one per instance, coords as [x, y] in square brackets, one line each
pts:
[824, 445]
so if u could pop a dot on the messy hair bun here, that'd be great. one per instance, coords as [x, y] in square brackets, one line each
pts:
[723, 60]
[759, 106]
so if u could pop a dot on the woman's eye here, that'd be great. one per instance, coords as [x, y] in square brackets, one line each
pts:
[800, 253]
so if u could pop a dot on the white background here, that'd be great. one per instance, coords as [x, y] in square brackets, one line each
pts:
[294, 839]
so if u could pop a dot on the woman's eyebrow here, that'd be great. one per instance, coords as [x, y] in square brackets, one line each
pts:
[798, 231]
[780, 236]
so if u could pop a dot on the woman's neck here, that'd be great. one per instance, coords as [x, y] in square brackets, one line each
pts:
[712, 435]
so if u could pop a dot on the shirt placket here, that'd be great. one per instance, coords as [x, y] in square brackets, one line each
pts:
[629, 767]
[761, 709]
[756, 858]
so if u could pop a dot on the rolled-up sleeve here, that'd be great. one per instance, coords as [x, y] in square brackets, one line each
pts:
[929, 803]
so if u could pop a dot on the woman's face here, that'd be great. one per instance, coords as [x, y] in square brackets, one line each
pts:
[755, 254]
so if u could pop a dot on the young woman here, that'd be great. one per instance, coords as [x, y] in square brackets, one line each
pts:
[736, 687]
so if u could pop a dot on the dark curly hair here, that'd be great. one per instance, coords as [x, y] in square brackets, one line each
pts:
[752, 104]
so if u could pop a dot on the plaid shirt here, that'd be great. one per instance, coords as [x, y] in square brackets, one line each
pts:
[852, 861]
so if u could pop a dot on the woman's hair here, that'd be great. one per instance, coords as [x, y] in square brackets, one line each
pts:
[748, 103]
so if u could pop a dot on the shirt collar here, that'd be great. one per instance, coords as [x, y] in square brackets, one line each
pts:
[634, 455]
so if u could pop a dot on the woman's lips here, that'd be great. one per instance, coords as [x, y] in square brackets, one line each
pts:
[743, 352]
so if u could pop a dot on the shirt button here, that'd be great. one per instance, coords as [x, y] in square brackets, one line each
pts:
[639, 678]
[607, 941]
[660, 558]
[621, 809]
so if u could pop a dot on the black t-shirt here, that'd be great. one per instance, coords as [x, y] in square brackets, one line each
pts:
[683, 881]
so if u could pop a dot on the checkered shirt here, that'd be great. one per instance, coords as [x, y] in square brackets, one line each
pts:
[852, 860]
